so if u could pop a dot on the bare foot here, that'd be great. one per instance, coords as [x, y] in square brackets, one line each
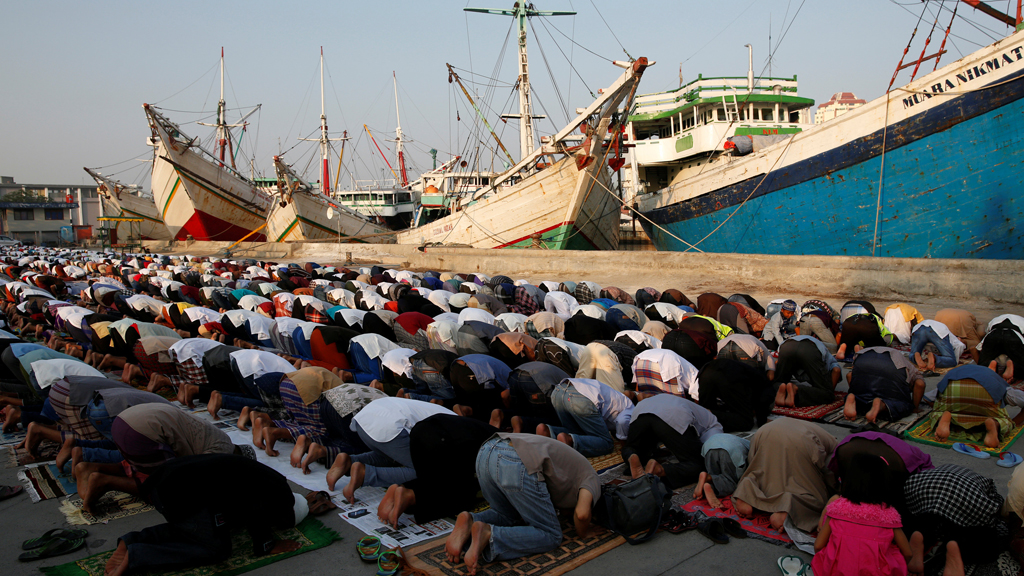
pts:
[954, 563]
[340, 468]
[117, 564]
[791, 395]
[841, 353]
[931, 361]
[517, 424]
[778, 520]
[157, 382]
[654, 468]
[271, 435]
[915, 566]
[543, 430]
[876, 407]
[942, 428]
[457, 539]
[458, 409]
[387, 503]
[301, 445]
[742, 508]
[497, 416]
[355, 481]
[709, 493]
[313, 454]
[400, 393]
[991, 433]
[565, 439]
[243, 419]
[850, 408]
[698, 490]
[780, 396]
[406, 497]
[1008, 373]
[213, 406]
[374, 384]
[636, 470]
[257, 431]
[77, 455]
[481, 536]
[65, 453]
[186, 393]
[130, 373]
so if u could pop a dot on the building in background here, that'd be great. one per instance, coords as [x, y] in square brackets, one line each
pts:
[841, 103]
[35, 213]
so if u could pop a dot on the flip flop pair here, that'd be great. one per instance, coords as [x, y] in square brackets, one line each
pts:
[678, 521]
[970, 451]
[54, 543]
[793, 566]
[369, 549]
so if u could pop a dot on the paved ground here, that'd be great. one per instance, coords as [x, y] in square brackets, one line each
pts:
[667, 554]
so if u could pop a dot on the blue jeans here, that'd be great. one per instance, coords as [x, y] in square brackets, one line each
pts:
[364, 369]
[925, 334]
[582, 420]
[388, 462]
[101, 451]
[522, 518]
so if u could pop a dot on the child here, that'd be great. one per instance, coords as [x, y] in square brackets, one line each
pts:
[859, 532]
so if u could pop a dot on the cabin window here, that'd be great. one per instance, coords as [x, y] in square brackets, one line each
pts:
[721, 115]
[403, 197]
[794, 117]
[743, 114]
[767, 114]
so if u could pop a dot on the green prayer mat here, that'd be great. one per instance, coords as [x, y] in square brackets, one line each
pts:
[311, 534]
[922, 433]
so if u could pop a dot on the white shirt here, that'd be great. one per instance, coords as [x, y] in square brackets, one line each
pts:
[192, 349]
[256, 363]
[386, 418]
[671, 365]
[615, 407]
[561, 304]
[639, 337]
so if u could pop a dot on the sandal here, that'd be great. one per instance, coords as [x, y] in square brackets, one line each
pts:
[678, 521]
[733, 528]
[714, 529]
[56, 533]
[389, 563]
[53, 548]
[369, 548]
[9, 491]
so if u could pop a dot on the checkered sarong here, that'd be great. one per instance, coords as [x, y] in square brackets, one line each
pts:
[189, 373]
[305, 418]
[954, 493]
[649, 380]
[316, 316]
[70, 415]
[525, 303]
[417, 341]
[282, 308]
[151, 364]
[971, 405]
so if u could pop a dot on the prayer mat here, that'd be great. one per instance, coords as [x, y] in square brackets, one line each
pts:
[20, 457]
[757, 527]
[310, 533]
[44, 481]
[571, 554]
[13, 438]
[811, 413]
[922, 433]
[111, 506]
[600, 463]
[836, 417]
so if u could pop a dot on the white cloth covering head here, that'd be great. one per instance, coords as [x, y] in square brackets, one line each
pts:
[192, 349]
[256, 363]
[384, 419]
[476, 314]
[374, 345]
[300, 508]
[49, 371]
[397, 361]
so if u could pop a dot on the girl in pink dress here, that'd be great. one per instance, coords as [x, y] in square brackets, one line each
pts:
[860, 534]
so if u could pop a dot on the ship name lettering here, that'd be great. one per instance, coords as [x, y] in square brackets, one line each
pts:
[965, 77]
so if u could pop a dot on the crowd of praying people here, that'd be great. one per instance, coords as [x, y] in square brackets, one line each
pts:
[437, 386]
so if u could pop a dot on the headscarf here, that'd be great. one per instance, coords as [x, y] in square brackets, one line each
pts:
[313, 381]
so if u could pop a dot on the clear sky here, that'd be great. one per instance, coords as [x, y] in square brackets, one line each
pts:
[73, 75]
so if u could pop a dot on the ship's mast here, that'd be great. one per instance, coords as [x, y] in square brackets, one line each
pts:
[520, 12]
[399, 147]
[222, 129]
[325, 140]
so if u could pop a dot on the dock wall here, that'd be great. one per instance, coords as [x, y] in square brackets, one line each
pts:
[995, 281]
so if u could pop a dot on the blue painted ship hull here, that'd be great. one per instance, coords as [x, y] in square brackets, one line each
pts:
[953, 187]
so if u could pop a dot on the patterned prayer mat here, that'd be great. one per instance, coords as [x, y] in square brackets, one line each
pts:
[836, 417]
[572, 553]
[811, 413]
[12, 438]
[311, 534]
[20, 457]
[44, 481]
[758, 527]
[922, 433]
[111, 506]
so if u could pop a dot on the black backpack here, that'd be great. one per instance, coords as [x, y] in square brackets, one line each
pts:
[634, 507]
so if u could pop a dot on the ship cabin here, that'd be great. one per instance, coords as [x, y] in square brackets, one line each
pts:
[676, 133]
